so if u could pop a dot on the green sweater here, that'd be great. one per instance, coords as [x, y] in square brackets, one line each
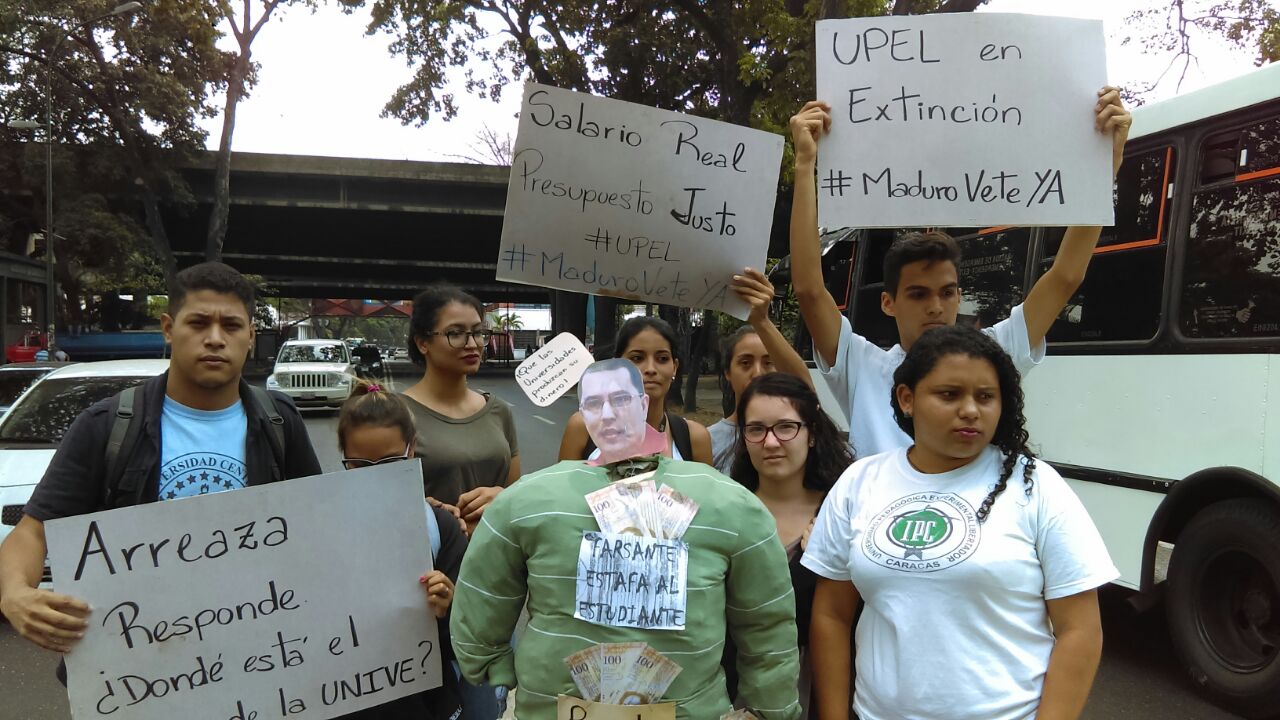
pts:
[526, 547]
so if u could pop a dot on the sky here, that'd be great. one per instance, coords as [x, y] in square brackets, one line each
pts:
[323, 83]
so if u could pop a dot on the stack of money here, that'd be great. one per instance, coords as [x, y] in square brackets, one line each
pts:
[636, 506]
[622, 673]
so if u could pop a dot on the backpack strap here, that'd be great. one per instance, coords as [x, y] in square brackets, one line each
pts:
[121, 443]
[680, 435]
[267, 406]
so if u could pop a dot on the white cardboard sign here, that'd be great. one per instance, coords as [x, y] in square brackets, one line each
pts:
[552, 371]
[632, 581]
[612, 198]
[297, 599]
[962, 119]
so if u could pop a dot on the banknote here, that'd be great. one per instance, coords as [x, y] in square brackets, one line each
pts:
[614, 513]
[584, 668]
[678, 511]
[617, 669]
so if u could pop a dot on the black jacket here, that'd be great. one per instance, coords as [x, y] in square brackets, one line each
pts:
[75, 482]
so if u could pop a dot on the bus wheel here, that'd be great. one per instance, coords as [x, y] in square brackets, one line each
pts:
[1223, 604]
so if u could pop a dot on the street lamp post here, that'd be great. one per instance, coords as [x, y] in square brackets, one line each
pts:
[50, 280]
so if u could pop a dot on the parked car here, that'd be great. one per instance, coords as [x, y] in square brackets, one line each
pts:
[26, 348]
[15, 378]
[33, 427]
[313, 372]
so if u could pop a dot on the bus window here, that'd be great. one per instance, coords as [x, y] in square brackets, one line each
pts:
[1120, 298]
[1231, 284]
[992, 273]
[868, 320]
[1260, 151]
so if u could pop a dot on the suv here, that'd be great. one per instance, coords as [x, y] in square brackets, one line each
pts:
[313, 372]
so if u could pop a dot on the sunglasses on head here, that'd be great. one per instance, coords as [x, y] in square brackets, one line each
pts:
[357, 463]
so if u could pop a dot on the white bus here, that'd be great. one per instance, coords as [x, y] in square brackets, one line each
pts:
[1160, 398]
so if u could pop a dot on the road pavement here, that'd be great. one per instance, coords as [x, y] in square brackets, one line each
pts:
[1139, 677]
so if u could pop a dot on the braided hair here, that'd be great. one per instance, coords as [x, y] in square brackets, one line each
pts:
[1011, 431]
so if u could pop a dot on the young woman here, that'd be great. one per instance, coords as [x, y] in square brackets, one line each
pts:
[376, 427]
[752, 350]
[978, 565]
[650, 344]
[789, 453]
[466, 439]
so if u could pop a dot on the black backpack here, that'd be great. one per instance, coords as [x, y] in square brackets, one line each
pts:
[124, 438]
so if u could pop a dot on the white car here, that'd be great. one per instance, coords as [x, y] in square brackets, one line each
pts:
[33, 427]
[313, 372]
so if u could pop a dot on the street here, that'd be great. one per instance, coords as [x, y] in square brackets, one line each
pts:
[1139, 676]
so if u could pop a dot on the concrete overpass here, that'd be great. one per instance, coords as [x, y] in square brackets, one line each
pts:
[355, 228]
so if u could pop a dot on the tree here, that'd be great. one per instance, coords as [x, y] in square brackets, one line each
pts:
[505, 322]
[1169, 27]
[129, 89]
[240, 75]
[489, 148]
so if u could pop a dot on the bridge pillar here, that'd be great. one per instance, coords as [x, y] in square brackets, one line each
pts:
[569, 313]
[606, 325]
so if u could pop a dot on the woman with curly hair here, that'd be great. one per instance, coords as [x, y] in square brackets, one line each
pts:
[789, 453]
[981, 598]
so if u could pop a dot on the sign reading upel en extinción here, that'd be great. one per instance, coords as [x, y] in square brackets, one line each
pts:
[962, 119]
[611, 198]
[297, 599]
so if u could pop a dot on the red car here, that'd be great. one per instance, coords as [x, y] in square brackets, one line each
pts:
[25, 349]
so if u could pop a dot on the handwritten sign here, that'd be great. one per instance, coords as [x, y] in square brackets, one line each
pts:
[962, 119]
[549, 373]
[612, 198]
[571, 708]
[291, 600]
[630, 581]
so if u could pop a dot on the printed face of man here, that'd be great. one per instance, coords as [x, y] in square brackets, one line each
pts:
[614, 410]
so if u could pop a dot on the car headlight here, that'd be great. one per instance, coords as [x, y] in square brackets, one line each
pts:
[342, 380]
[272, 382]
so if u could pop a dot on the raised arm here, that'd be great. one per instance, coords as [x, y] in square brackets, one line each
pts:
[1060, 282]
[756, 290]
[817, 307]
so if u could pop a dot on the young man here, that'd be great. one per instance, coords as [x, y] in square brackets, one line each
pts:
[922, 290]
[197, 429]
[529, 543]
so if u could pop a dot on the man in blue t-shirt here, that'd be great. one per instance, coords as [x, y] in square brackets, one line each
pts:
[197, 429]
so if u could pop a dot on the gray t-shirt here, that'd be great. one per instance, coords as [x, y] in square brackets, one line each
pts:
[723, 436]
[461, 454]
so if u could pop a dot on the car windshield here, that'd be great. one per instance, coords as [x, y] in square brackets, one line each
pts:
[47, 411]
[312, 353]
[14, 382]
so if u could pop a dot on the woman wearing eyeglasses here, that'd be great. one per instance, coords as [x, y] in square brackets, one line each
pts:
[789, 454]
[376, 427]
[466, 439]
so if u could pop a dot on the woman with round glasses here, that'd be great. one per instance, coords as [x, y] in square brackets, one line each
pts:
[375, 427]
[650, 344]
[466, 438]
[789, 454]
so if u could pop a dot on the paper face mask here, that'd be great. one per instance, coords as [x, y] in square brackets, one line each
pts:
[614, 408]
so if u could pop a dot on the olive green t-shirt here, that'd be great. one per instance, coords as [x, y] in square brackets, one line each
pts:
[461, 454]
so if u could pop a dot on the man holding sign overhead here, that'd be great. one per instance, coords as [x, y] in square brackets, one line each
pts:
[922, 289]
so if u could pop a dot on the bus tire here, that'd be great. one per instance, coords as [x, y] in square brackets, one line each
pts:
[1223, 604]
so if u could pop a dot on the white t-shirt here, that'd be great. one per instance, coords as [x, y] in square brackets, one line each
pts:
[955, 624]
[862, 380]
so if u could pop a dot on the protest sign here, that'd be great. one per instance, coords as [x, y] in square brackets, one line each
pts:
[612, 198]
[571, 708]
[630, 581]
[962, 119]
[552, 371]
[297, 599]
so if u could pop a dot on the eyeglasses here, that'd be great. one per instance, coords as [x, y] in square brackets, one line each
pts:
[784, 431]
[357, 463]
[458, 338]
[619, 401]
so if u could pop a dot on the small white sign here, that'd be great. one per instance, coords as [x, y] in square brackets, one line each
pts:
[297, 599]
[554, 369]
[962, 119]
[631, 581]
[612, 198]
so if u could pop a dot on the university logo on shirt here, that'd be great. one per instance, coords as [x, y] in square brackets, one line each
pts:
[923, 532]
[200, 473]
